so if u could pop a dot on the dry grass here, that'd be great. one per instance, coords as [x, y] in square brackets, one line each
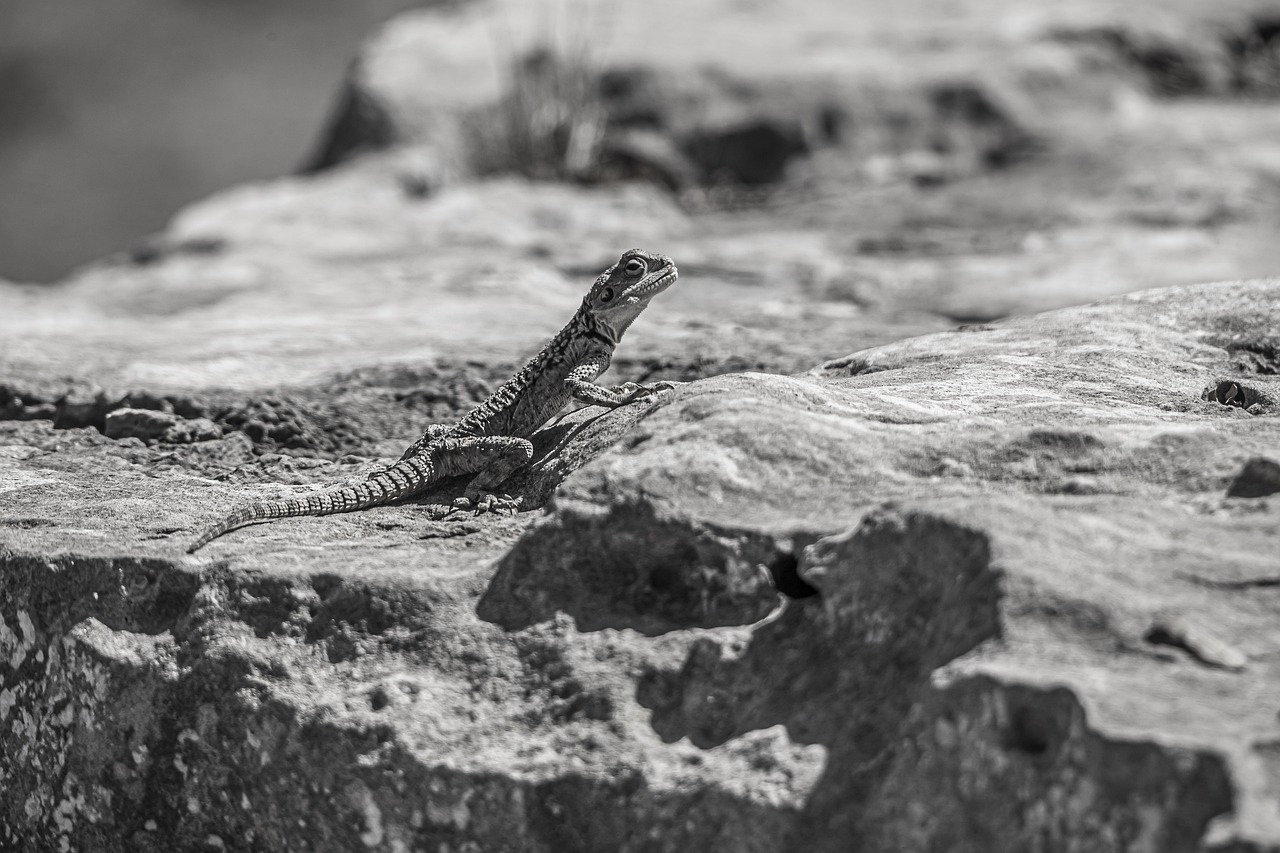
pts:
[550, 123]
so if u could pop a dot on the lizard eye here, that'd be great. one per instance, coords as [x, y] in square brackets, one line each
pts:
[634, 267]
[606, 295]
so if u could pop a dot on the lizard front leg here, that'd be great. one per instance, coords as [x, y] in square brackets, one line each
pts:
[584, 389]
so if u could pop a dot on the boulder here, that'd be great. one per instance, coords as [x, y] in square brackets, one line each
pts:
[983, 589]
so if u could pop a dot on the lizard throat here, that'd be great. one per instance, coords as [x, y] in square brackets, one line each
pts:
[600, 329]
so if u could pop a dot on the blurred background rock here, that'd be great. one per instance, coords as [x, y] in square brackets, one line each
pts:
[1024, 155]
[113, 115]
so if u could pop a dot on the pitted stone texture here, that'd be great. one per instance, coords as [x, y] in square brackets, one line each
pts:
[1009, 530]
[1077, 451]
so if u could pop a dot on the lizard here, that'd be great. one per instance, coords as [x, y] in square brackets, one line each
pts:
[492, 441]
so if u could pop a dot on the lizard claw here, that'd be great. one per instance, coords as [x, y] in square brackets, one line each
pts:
[634, 391]
[487, 502]
[490, 502]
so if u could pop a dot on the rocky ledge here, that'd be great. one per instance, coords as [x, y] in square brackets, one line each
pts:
[1006, 587]
[1009, 586]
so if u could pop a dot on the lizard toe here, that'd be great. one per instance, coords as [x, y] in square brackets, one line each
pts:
[496, 504]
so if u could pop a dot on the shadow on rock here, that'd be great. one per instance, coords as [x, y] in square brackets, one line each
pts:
[913, 762]
[629, 566]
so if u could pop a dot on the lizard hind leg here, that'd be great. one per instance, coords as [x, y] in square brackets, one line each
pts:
[507, 455]
[433, 433]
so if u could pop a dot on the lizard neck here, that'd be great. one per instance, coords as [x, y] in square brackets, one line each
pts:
[583, 334]
[590, 325]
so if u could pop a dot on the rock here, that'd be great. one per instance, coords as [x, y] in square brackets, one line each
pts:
[665, 112]
[861, 605]
[1047, 608]
[154, 425]
[754, 153]
[358, 125]
[1172, 63]
[1236, 55]
[648, 155]
[138, 423]
[300, 290]
[974, 126]
[979, 590]
[1252, 45]
[83, 405]
[1258, 478]
[888, 672]
[635, 571]
[189, 430]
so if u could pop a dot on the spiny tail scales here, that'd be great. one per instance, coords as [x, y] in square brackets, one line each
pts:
[406, 477]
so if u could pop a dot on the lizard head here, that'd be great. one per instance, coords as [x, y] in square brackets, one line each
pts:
[624, 289]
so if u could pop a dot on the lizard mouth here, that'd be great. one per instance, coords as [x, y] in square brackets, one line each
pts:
[660, 283]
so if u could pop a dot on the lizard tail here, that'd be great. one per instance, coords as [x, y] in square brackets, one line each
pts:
[402, 479]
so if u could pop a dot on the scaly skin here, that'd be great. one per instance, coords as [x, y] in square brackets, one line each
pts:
[492, 442]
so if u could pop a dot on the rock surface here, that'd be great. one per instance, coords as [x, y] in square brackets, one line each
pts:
[1022, 610]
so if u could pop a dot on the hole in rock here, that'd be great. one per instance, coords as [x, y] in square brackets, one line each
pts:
[785, 571]
[1228, 392]
[1029, 732]
[664, 578]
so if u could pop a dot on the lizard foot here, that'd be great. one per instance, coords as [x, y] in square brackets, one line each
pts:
[487, 502]
[663, 385]
[634, 391]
